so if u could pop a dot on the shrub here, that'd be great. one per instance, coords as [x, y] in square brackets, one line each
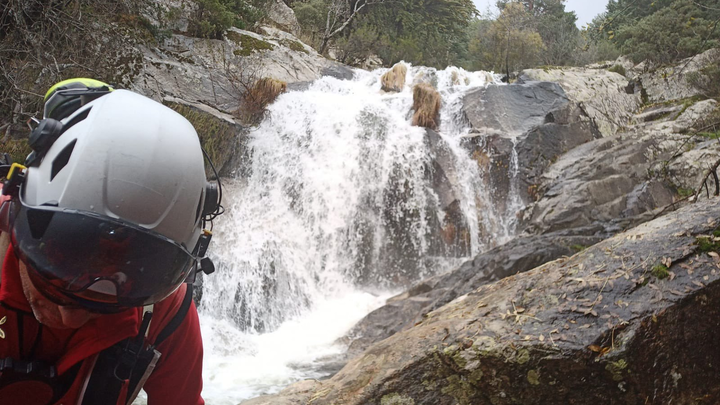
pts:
[213, 17]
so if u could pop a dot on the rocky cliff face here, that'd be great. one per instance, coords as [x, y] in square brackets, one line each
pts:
[208, 76]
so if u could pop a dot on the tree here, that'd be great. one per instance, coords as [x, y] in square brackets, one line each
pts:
[664, 30]
[339, 16]
[513, 35]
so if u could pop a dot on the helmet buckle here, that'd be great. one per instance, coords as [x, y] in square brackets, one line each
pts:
[15, 177]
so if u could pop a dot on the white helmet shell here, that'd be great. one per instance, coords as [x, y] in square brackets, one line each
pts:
[130, 158]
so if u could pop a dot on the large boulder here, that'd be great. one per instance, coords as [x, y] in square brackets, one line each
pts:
[631, 320]
[518, 131]
[604, 181]
[605, 96]
[670, 83]
[511, 111]
[281, 16]
[404, 310]
[628, 178]
[214, 72]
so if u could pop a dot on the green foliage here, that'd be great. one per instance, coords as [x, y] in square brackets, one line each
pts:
[509, 43]
[708, 243]
[660, 271]
[619, 69]
[212, 17]
[17, 148]
[428, 32]
[662, 31]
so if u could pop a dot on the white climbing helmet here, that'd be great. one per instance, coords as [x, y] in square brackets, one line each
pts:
[110, 214]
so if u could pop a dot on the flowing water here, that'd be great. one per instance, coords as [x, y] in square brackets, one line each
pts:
[333, 213]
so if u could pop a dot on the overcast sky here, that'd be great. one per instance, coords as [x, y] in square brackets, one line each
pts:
[586, 10]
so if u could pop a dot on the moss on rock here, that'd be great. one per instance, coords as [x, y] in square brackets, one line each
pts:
[294, 45]
[396, 399]
[217, 136]
[248, 44]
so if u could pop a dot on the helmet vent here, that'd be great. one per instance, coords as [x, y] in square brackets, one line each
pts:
[74, 120]
[62, 159]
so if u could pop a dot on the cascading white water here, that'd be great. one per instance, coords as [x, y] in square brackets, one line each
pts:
[335, 213]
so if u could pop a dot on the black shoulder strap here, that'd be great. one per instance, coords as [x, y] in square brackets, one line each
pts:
[105, 382]
[178, 319]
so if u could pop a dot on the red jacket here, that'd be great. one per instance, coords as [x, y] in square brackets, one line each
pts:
[177, 379]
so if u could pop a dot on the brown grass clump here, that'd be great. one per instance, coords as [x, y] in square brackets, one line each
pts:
[394, 79]
[426, 103]
[258, 97]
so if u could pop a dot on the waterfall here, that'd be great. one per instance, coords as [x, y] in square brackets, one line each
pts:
[334, 213]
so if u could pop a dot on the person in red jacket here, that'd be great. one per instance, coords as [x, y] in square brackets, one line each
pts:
[106, 226]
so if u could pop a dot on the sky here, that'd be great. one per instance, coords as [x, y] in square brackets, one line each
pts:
[586, 10]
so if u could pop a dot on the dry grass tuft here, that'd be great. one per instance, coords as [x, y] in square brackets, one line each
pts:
[258, 97]
[426, 103]
[394, 79]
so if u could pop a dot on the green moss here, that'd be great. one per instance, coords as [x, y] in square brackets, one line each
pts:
[660, 271]
[396, 399]
[706, 244]
[216, 136]
[685, 192]
[294, 45]
[533, 377]
[523, 356]
[249, 44]
[460, 389]
[616, 368]
[618, 69]
[578, 248]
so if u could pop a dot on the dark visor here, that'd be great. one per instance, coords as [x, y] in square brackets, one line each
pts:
[100, 263]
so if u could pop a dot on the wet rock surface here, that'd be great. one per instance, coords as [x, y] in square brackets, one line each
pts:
[512, 110]
[404, 310]
[513, 148]
[631, 320]
[603, 95]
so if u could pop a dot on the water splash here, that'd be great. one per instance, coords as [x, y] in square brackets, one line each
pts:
[338, 199]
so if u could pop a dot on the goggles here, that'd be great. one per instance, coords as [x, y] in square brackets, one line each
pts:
[104, 265]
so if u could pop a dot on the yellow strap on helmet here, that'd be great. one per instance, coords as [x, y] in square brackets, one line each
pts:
[90, 83]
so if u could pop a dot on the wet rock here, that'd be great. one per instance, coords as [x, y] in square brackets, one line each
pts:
[548, 127]
[631, 320]
[606, 181]
[519, 255]
[600, 93]
[512, 110]
[401, 261]
[339, 71]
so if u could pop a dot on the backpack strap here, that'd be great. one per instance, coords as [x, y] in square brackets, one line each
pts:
[131, 361]
[178, 319]
[146, 364]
